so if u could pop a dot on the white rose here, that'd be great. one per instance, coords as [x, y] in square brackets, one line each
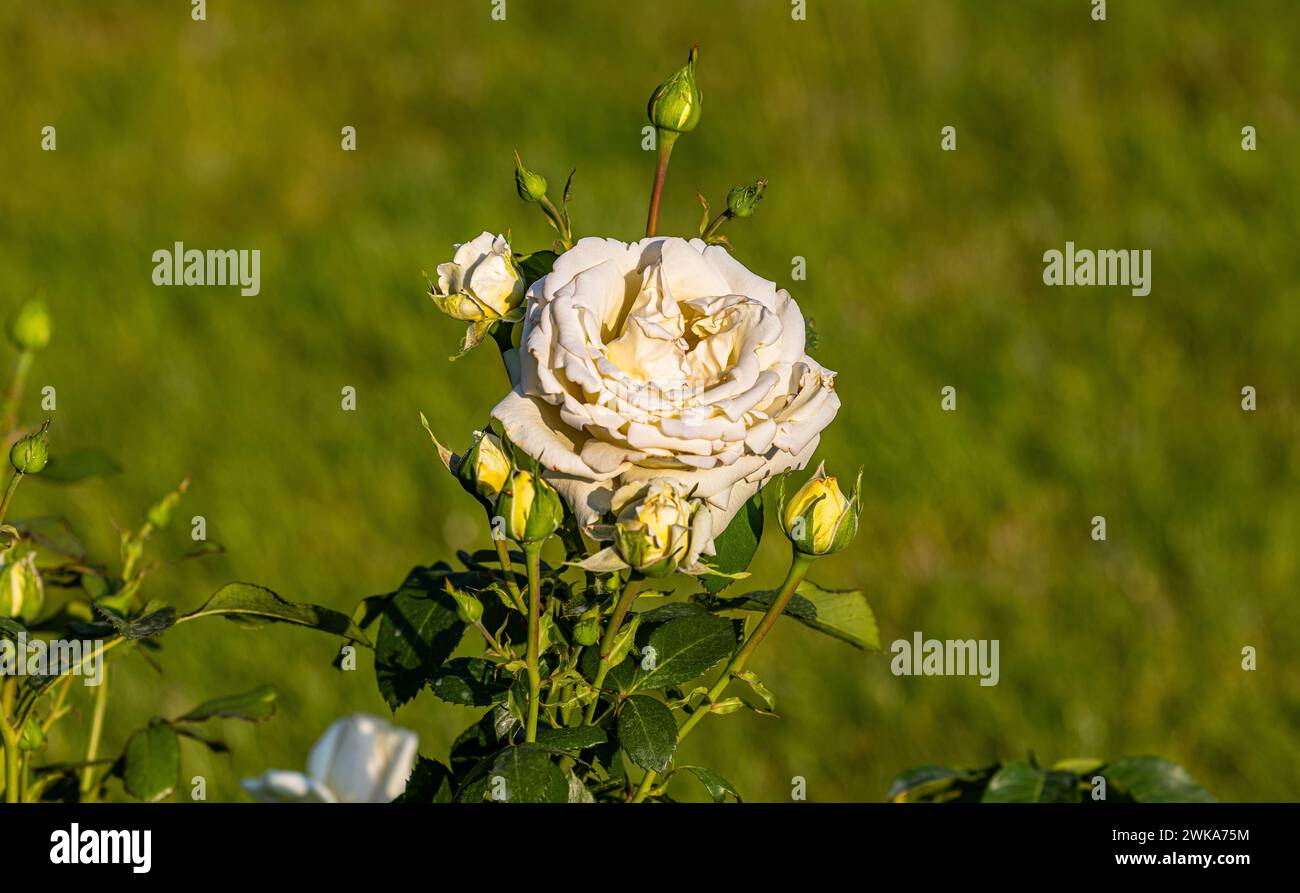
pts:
[480, 283]
[663, 358]
[359, 759]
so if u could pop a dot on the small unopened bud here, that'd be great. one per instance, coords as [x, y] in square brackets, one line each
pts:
[676, 104]
[531, 508]
[587, 630]
[485, 468]
[29, 455]
[22, 591]
[29, 329]
[530, 185]
[819, 519]
[743, 200]
[468, 608]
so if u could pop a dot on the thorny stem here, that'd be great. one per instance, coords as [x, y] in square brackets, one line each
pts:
[799, 565]
[532, 553]
[625, 600]
[666, 140]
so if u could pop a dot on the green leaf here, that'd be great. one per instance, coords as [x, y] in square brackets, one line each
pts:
[251, 605]
[736, 545]
[647, 732]
[621, 676]
[250, 706]
[143, 627]
[523, 774]
[470, 681]
[686, 648]
[78, 465]
[418, 632]
[535, 265]
[1015, 782]
[841, 613]
[718, 787]
[1154, 780]
[430, 782]
[153, 762]
[572, 739]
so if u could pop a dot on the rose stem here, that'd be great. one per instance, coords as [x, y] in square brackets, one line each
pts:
[507, 571]
[9, 493]
[799, 565]
[533, 553]
[666, 140]
[607, 644]
[10, 415]
[96, 730]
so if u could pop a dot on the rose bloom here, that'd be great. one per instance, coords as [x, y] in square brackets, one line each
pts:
[663, 359]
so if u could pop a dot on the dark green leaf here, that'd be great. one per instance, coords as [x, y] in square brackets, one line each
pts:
[252, 605]
[152, 762]
[142, 627]
[717, 786]
[1015, 782]
[647, 732]
[736, 545]
[523, 774]
[671, 611]
[430, 782]
[68, 468]
[686, 648]
[418, 632]
[620, 678]
[535, 265]
[250, 706]
[571, 740]
[841, 613]
[471, 681]
[1154, 780]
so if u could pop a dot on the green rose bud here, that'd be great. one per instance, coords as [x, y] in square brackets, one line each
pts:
[743, 200]
[531, 508]
[29, 329]
[468, 608]
[29, 455]
[530, 185]
[818, 519]
[22, 591]
[587, 630]
[675, 104]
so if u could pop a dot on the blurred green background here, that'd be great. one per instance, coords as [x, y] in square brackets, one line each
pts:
[924, 270]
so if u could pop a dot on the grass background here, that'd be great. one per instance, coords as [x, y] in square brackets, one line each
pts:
[924, 270]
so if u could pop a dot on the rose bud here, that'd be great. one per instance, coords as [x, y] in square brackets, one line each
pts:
[818, 519]
[22, 591]
[29, 455]
[675, 104]
[468, 608]
[587, 630]
[530, 185]
[654, 529]
[485, 468]
[480, 283]
[743, 200]
[29, 329]
[531, 508]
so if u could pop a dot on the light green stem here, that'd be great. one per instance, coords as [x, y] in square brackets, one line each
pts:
[96, 732]
[533, 554]
[507, 571]
[621, 607]
[9, 416]
[9, 493]
[10, 738]
[799, 565]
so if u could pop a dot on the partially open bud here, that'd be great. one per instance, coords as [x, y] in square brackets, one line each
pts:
[743, 200]
[29, 455]
[530, 185]
[530, 506]
[29, 329]
[480, 283]
[468, 608]
[658, 528]
[22, 591]
[485, 468]
[819, 519]
[675, 104]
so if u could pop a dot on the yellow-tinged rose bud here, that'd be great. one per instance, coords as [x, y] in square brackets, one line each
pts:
[676, 104]
[486, 467]
[653, 531]
[530, 185]
[29, 455]
[29, 329]
[819, 519]
[531, 508]
[22, 591]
